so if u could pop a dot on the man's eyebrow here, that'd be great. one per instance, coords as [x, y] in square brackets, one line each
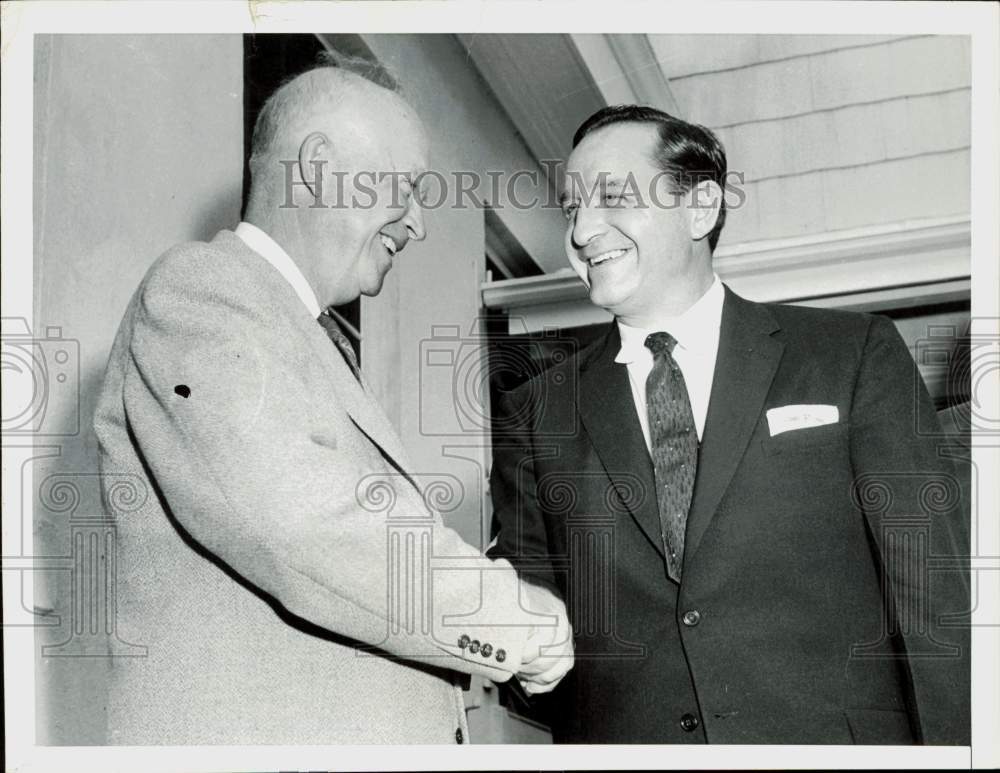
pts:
[603, 183]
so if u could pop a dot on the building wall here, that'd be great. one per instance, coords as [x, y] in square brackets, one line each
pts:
[137, 146]
[431, 301]
[832, 132]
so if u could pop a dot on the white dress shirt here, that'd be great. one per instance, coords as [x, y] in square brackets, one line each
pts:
[697, 335]
[273, 253]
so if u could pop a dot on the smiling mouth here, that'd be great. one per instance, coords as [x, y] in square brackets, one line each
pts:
[389, 244]
[606, 257]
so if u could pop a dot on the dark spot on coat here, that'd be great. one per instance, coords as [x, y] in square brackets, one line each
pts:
[183, 390]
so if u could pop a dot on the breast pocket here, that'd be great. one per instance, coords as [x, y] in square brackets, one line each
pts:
[800, 440]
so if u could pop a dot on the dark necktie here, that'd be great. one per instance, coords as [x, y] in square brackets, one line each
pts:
[337, 336]
[674, 442]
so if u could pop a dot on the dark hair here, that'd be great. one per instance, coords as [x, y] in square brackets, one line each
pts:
[689, 153]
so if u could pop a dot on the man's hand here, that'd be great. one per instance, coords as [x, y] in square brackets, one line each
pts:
[548, 653]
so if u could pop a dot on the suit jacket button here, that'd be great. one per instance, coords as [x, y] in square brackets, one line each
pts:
[486, 650]
[463, 641]
[691, 618]
[474, 646]
[501, 655]
[459, 738]
[689, 722]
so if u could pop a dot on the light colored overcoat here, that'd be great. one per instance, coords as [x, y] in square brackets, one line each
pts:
[290, 585]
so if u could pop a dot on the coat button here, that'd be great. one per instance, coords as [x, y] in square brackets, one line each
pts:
[501, 655]
[689, 722]
[691, 618]
[486, 650]
[474, 646]
[463, 641]
[459, 738]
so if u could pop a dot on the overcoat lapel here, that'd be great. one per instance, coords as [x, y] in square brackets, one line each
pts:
[355, 398]
[608, 413]
[747, 360]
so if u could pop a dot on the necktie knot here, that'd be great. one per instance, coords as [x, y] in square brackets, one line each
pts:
[341, 341]
[661, 343]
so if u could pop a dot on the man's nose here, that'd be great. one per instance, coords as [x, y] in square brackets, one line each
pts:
[414, 221]
[587, 225]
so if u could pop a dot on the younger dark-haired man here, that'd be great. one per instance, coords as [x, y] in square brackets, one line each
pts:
[746, 551]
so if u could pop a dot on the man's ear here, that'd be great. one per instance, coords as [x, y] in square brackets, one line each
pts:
[705, 201]
[313, 155]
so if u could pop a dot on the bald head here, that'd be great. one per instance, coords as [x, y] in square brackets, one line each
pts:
[334, 163]
[310, 102]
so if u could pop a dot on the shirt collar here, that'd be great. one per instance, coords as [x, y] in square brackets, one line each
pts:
[696, 330]
[273, 253]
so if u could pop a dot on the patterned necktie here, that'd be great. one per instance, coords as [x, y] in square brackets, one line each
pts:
[337, 336]
[674, 441]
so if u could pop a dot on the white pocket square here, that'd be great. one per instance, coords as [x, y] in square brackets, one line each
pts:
[789, 417]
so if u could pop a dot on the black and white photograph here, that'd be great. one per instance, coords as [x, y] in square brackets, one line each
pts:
[500, 385]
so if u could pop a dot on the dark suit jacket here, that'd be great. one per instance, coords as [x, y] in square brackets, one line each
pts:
[821, 600]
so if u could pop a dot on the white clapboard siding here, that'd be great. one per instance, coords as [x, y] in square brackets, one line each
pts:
[829, 132]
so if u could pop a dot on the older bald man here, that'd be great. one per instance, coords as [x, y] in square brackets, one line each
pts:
[267, 571]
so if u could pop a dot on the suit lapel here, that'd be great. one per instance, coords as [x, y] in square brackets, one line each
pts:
[747, 360]
[608, 413]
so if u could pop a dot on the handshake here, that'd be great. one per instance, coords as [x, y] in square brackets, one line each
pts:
[548, 652]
